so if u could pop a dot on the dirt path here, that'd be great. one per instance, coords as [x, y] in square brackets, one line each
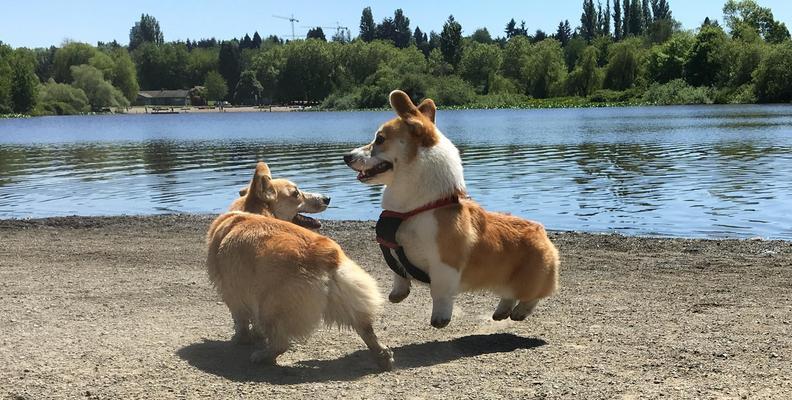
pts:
[121, 308]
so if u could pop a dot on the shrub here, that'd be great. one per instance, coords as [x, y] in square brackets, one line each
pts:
[677, 92]
[451, 91]
[61, 99]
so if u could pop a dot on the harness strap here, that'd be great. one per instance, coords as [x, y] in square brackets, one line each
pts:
[388, 224]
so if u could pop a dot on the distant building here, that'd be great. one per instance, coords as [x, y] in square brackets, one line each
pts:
[178, 97]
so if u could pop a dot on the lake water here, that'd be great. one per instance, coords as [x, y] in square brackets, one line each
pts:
[695, 171]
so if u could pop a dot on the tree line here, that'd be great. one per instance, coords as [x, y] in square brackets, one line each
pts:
[621, 51]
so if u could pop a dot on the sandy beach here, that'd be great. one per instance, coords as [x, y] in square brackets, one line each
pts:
[120, 307]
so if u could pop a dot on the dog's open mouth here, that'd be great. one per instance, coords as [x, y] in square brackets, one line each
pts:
[306, 222]
[374, 171]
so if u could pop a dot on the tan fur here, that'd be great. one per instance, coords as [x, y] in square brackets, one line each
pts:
[285, 280]
[497, 251]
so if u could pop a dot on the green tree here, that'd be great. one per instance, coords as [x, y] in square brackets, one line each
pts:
[481, 35]
[248, 90]
[199, 62]
[479, 64]
[545, 70]
[747, 14]
[145, 30]
[368, 28]
[402, 33]
[421, 41]
[268, 66]
[6, 82]
[573, 50]
[706, 56]
[666, 61]
[61, 99]
[316, 33]
[451, 41]
[588, 20]
[100, 93]
[306, 69]
[72, 53]
[773, 77]
[23, 76]
[229, 62]
[216, 88]
[515, 56]
[563, 33]
[618, 28]
[256, 40]
[163, 66]
[585, 78]
[622, 69]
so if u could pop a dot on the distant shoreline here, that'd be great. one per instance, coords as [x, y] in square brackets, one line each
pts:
[544, 105]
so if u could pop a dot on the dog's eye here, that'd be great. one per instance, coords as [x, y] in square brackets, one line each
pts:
[379, 139]
[295, 193]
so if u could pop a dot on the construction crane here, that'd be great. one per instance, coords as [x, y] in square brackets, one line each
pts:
[290, 19]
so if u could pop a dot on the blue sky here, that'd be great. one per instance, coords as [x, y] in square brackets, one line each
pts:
[35, 23]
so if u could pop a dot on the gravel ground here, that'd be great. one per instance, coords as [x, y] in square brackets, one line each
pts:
[121, 307]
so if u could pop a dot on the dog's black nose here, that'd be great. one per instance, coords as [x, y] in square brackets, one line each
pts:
[348, 158]
[326, 200]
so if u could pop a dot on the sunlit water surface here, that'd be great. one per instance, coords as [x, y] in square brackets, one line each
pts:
[697, 171]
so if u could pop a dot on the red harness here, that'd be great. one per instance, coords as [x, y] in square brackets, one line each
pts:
[387, 226]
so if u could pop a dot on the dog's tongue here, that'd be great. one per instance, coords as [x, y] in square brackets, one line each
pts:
[361, 175]
[306, 222]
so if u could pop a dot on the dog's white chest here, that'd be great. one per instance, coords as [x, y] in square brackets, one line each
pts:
[418, 236]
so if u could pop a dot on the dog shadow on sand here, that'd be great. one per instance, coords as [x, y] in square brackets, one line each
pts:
[222, 358]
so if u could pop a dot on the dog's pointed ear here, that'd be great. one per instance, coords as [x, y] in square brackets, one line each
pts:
[402, 104]
[428, 109]
[261, 184]
[262, 169]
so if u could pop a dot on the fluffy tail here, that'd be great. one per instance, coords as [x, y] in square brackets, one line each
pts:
[354, 299]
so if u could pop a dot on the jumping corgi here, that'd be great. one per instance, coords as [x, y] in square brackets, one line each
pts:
[430, 231]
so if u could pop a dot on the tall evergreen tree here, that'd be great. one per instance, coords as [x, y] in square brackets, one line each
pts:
[145, 30]
[660, 10]
[386, 30]
[368, 28]
[402, 34]
[605, 20]
[563, 33]
[256, 40]
[588, 21]
[246, 42]
[636, 18]
[316, 33]
[451, 41]
[422, 41]
[626, 18]
[229, 63]
[617, 20]
[510, 29]
[646, 14]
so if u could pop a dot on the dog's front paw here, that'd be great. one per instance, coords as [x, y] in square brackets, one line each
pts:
[396, 296]
[440, 322]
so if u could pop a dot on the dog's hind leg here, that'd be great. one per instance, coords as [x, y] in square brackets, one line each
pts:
[523, 309]
[241, 317]
[400, 290]
[381, 353]
[504, 309]
[274, 343]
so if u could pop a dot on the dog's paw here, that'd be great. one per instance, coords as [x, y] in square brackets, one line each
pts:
[440, 322]
[242, 338]
[398, 296]
[262, 357]
[501, 315]
[523, 310]
[385, 359]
